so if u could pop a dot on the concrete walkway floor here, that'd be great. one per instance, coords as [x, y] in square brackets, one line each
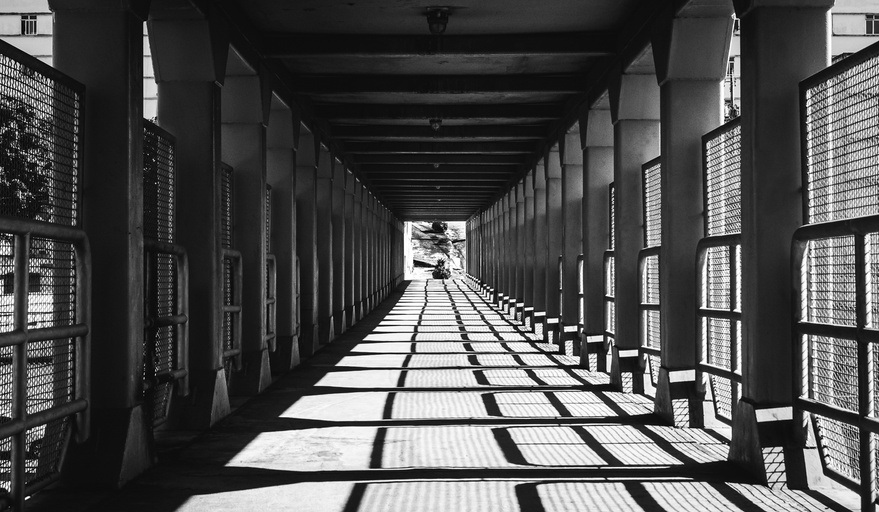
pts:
[435, 402]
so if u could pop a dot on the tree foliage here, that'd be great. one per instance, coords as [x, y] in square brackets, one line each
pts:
[25, 160]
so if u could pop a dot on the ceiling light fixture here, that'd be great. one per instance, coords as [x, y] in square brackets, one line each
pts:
[435, 123]
[437, 19]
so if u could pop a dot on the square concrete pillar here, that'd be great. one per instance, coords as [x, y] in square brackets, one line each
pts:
[571, 156]
[528, 242]
[520, 253]
[540, 239]
[306, 241]
[596, 132]
[351, 248]
[781, 45]
[554, 232]
[324, 238]
[112, 216]
[245, 109]
[691, 61]
[339, 248]
[189, 108]
[635, 114]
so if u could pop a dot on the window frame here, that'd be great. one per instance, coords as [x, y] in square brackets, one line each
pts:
[29, 25]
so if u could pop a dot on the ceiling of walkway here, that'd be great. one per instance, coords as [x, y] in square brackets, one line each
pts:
[506, 79]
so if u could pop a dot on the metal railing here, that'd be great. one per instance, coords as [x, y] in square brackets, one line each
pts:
[837, 362]
[719, 340]
[177, 368]
[718, 266]
[232, 311]
[271, 335]
[581, 295]
[36, 428]
[648, 308]
[609, 297]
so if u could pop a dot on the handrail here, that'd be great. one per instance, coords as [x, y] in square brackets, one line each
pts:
[23, 230]
[863, 336]
[235, 308]
[180, 320]
[271, 335]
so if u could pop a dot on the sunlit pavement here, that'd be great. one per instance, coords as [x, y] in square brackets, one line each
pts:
[436, 402]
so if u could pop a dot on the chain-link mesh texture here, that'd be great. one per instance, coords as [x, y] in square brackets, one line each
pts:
[723, 179]
[652, 204]
[840, 139]
[650, 330]
[612, 202]
[268, 218]
[722, 394]
[159, 202]
[40, 152]
[40, 161]
[871, 252]
[226, 206]
[610, 304]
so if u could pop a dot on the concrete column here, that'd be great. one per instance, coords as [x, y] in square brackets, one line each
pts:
[781, 45]
[306, 240]
[554, 231]
[635, 114]
[691, 61]
[339, 248]
[324, 186]
[520, 252]
[245, 104]
[189, 101]
[358, 249]
[369, 248]
[597, 134]
[364, 252]
[496, 252]
[540, 239]
[506, 253]
[283, 135]
[351, 259]
[511, 253]
[572, 239]
[112, 195]
[528, 251]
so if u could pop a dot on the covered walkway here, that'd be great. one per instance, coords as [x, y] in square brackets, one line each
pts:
[435, 401]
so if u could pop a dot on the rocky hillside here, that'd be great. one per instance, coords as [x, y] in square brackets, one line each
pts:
[429, 245]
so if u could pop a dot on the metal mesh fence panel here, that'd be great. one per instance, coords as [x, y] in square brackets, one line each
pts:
[39, 144]
[612, 202]
[872, 281]
[40, 170]
[652, 204]
[161, 298]
[268, 218]
[226, 206]
[841, 151]
[831, 292]
[722, 394]
[840, 446]
[723, 178]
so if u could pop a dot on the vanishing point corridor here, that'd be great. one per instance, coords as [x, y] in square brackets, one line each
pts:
[436, 402]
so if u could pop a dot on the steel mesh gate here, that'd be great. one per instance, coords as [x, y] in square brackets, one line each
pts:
[232, 279]
[166, 331]
[45, 267]
[720, 268]
[836, 260]
[648, 265]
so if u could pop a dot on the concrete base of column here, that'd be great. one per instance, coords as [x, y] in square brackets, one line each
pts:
[528, 318]
[309, 338]
[764, 446]
[538, 322]
[327, 328]
[286, 355]
[350, 316]
[626, 370]
[359, 310]
[340, 322]
[119, 449]
[207, 403]
[678, 400]
[593, 353]
[551, 332]
[569, 339]
[255, 375]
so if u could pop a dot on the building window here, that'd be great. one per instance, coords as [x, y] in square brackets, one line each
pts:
[731, 68]
[737, 26]
[872, 24]
[29, 25]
